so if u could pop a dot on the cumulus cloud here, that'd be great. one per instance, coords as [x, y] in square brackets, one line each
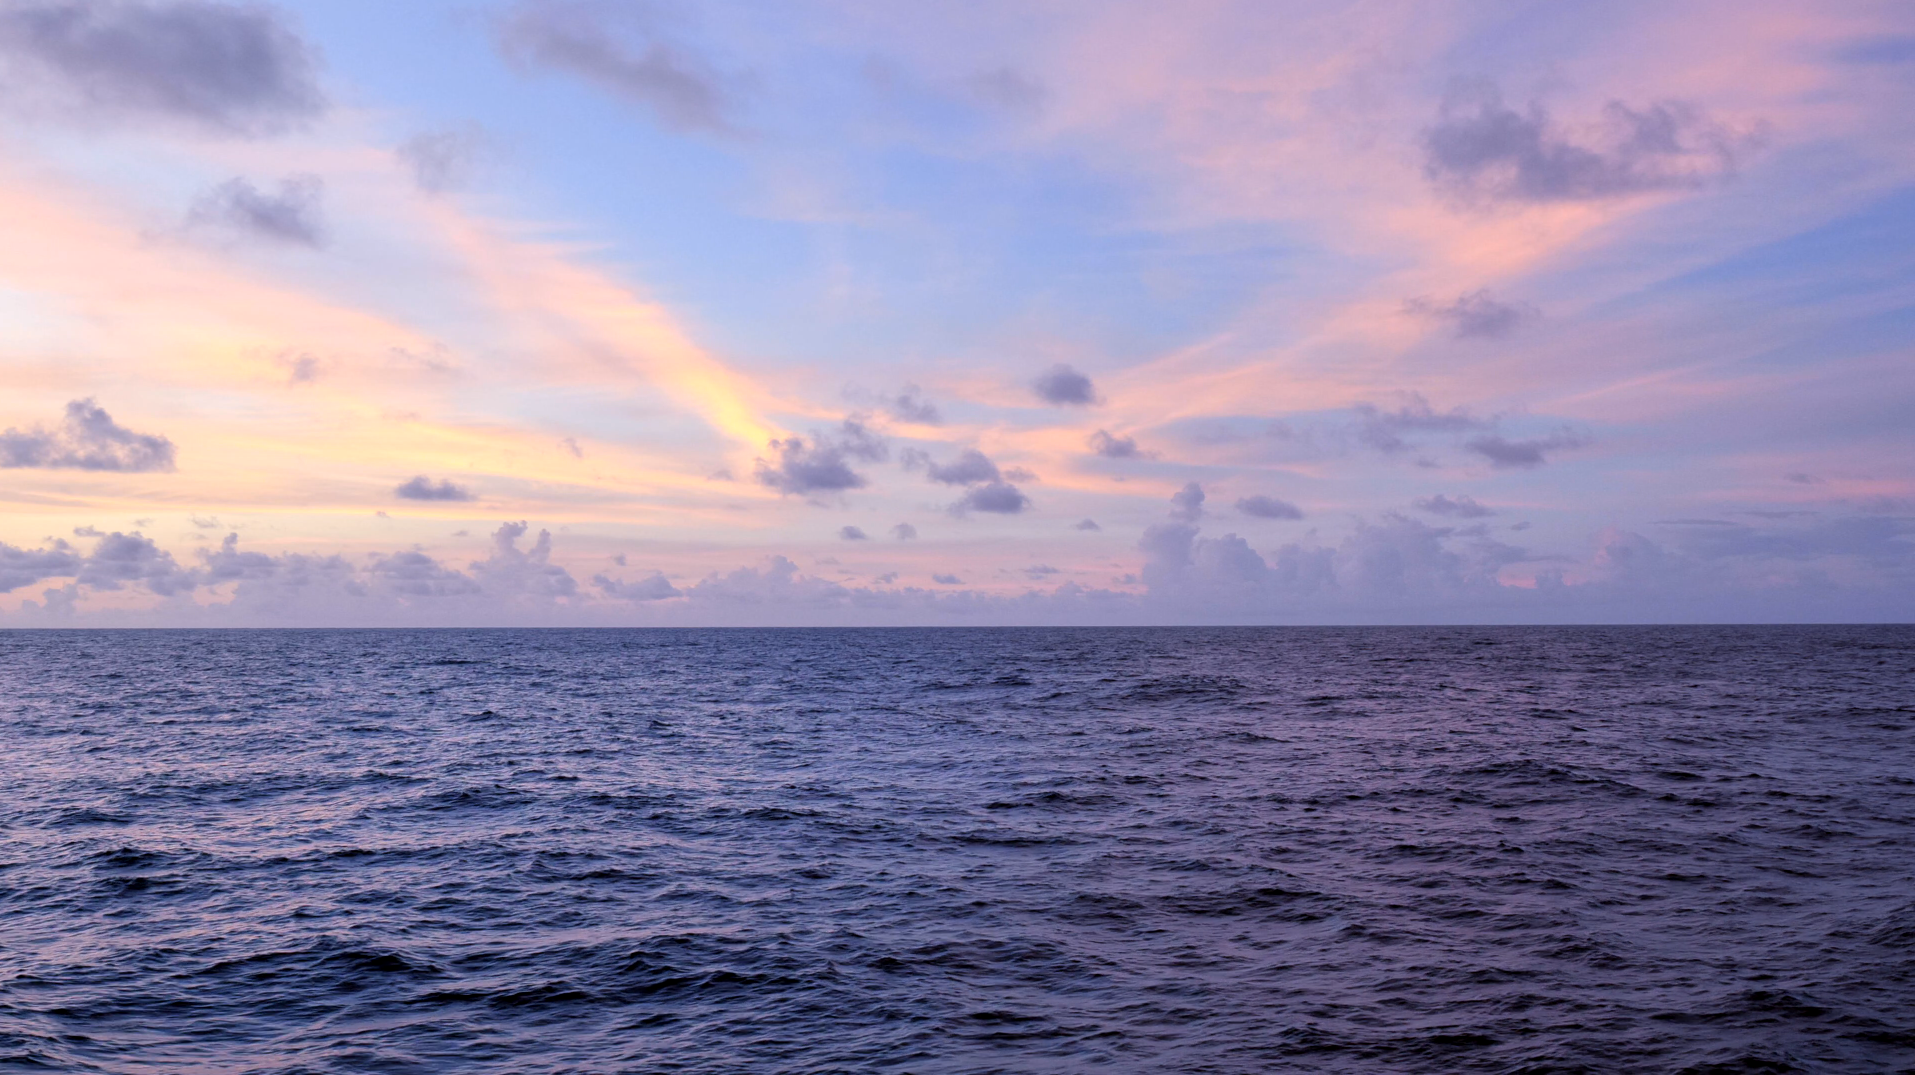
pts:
[1187, 503]
[852, 533]
[441, 161]
[1110, 447]
[1062, 386]
[970, 467]
[1483, 150]
[821, 464]
[619, 48]
[909, 405]
[1461, 507]
[24, 567]
[523, 573]
[87, 439]
[1383, 430]
[1476, 315]
[1504, 453]
[236, 69]
[240, 209]
[653, 587]
[947, 580]
[904, 532]
[1268, 507]
[413, 573]
[1087, 524]
[997, 498]
[421, 487]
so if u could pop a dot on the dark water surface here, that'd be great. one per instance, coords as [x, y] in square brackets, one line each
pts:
[1179, 850]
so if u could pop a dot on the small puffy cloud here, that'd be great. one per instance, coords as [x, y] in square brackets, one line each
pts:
[1268, 507]
[1112, 447]
[618, 48]
[1086, 524]
[653, 587]
[441, 161]
[997, 498]
[970, 467]
[1483, 150]
[1476, 315]
[909, 405]
[1504, 453]
[1008, 89]
[822, 463]
[238, 208]
[904, 532]
[1187, 503]
[1383, 430]
[852, 533]
[119, 559]
[87, 439]
[1800, 478]
[1062, 386]
[301, 368]
[1040, 571]
[947, 580]
[1461, 507]
[421, 487]
[236, 69]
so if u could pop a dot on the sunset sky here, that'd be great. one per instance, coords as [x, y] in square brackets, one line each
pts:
[577, 312]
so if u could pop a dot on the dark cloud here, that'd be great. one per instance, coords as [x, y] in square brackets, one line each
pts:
[1502, 452]
[1087, 524]
[236, 69]
[87, 439]
[1269, 507]
[1111, 447]
[947, 580]
[1063, 386]
[441, 161]
[909, 406]
[653, 587]
[1461, 507]
[238, 208]
[970, 467]
[421, 487]
[1187, 503]
[852, 533]
[1483, 150]
[822, 464]
[1476, 315]
[618, 48]
[996, 498]
[904, 532]
[1382, 430]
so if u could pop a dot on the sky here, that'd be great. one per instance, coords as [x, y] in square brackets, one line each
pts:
[602, 312]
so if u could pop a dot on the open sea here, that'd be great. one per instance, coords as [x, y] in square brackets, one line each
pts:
[1604, 850]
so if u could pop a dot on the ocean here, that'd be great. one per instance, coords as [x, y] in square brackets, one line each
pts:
[1627, 849]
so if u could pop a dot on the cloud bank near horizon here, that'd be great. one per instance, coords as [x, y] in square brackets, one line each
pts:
[818, 316]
